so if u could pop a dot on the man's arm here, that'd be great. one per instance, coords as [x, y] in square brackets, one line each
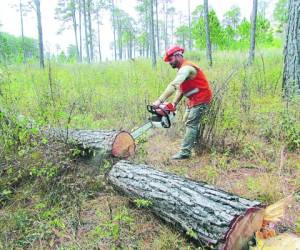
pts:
[181, 76]
[178, 97]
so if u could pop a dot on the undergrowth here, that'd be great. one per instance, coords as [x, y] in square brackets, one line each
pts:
[45, 187]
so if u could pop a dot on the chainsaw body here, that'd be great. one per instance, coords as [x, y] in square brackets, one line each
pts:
[162, 117]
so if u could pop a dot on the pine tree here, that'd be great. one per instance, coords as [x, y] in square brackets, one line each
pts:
[291, 72]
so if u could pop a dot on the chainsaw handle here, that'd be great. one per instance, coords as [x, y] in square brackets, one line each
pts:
[151, 109]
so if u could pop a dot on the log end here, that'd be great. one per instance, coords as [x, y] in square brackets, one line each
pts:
[243, 228]
[123, 145]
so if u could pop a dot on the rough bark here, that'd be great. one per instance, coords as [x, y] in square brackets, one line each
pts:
[207, 33]
[74, 22]
[152, 42]
[40, 32]
[99, 40]
[114, 28]
[157, 29]
[208, 214]
[291, 73]
[165, 8]
[22, 30]
[253, 31]
[119, 35]
[89, 10]
[80, 31]
[86, 31]
[107, 142]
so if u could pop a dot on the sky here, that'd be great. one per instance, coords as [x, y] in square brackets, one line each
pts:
[9, 18]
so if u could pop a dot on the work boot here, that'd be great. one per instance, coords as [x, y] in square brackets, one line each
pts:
[180, 156]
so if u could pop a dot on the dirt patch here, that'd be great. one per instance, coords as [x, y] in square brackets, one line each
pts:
[112, 221]
[253, 182]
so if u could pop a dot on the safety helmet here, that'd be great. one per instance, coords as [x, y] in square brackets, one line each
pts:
[172, 50]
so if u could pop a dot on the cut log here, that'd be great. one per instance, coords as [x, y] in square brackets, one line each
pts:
[210, 215]
[110, 142]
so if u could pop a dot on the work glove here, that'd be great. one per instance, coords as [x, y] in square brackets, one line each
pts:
[156, 103]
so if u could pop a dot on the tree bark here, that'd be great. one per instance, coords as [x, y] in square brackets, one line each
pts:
[114, 28]
[157, 29]
[80, 30]
[99, 40]
[108, 142]
[89, 10]
[291, 72]
[40, 32]
[166, 25]
[86, 32]
[152, 42]
[206, 213]
[22, 30]
[190, 30]
[207, 31]
[120, 35]
[74, 22]
[253, 31]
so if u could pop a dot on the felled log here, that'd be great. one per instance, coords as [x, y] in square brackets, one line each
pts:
[109, 142]
[208, 214]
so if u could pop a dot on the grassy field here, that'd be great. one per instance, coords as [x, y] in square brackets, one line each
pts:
[52, 198]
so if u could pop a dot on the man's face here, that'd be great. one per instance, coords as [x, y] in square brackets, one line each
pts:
[174, 61]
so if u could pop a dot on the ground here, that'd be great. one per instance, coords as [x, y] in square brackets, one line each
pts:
[138, 228]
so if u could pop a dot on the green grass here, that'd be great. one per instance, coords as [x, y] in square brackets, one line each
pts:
[44, 187]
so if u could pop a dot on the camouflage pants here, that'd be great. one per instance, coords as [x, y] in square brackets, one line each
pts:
[193, 116]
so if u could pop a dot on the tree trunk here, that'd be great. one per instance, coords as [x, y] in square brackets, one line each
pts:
[166, 26]
[253, 30]
[207, 33]
[190, 30]
[86, 32]
[99, 40]
[120, 34]
[75, 31]
[108, 142]
[206, 213]
[114, 28]
[291, 72]
[80, 30]
[40, 32]
[152, 41]
[131, 46]
[22, 31]
[157, 29]
[89, 9]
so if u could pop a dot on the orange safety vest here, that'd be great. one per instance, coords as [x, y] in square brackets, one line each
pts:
[197, 90]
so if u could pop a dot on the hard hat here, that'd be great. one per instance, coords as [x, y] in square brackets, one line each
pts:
[171, 51]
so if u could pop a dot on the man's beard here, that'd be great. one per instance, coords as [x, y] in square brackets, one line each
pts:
[174, 65]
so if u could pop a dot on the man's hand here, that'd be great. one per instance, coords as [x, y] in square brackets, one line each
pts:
[156, 103]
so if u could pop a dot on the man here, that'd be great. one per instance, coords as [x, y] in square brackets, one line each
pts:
[191, 83]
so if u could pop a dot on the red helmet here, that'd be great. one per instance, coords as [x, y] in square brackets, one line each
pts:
[170, 51]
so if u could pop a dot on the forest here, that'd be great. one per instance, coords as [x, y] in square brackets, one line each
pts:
[80, 168]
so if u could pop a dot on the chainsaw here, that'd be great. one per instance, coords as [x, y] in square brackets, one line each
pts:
[161, 117]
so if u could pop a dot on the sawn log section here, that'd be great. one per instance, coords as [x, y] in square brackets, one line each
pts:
[208, 214]
[110, 142]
